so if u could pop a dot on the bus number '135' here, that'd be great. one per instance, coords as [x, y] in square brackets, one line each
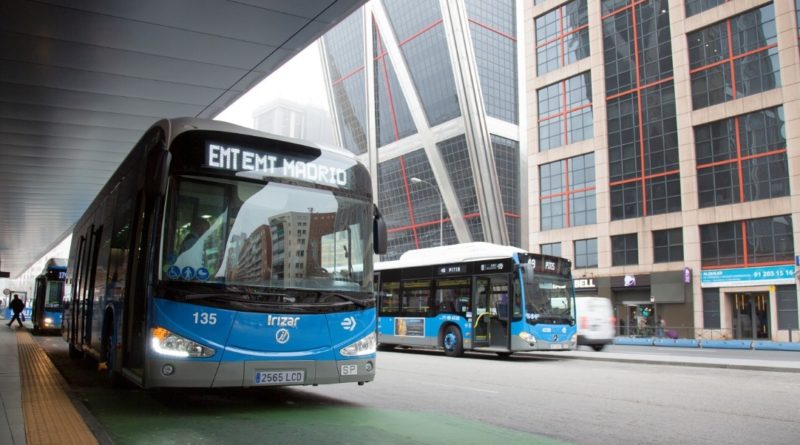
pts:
[204, 318]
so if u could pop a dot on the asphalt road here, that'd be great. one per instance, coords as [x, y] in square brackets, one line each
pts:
[423, 397]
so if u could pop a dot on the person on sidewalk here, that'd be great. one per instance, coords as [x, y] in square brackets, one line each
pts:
[17, 306]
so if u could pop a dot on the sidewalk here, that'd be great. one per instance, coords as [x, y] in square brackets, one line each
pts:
[749, 360]
[12, 424]
[36, 406]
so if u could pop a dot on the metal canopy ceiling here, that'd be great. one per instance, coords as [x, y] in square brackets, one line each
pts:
[80, 81]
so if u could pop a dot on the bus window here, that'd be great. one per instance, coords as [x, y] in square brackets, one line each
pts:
[416, 297]
[452, 296]
[390, 298]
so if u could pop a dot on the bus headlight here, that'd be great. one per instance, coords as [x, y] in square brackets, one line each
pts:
[365, 346]
[528, 338]
[167, 343]
[48, 321]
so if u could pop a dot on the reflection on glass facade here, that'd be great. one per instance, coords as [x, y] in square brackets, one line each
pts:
[754, 242]
[742, 159]
[565, 112]
[392, 118]
[567, 193]
[697, 6]
[507, 163]
[344, 46]
[411, 210]
[456, 160]
[734, 58]
[562, 36]
[642, 129]
[421, 36]
[492, 25]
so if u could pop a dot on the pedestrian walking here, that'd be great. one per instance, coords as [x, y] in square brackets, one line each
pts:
[17, 306]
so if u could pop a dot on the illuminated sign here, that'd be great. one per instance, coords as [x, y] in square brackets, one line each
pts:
[240, 159]
[452, 269]
[752, 276]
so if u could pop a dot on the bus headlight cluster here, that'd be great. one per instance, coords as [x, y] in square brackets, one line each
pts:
[48, 321]
[527, 337]
[168, 343]
[365, 346]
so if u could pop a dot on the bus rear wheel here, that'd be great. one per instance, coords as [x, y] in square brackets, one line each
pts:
[451, 341]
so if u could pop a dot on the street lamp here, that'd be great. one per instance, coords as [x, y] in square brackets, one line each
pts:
[416, 180]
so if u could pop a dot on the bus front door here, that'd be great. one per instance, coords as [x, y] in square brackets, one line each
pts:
[491, 303]
[482, 315]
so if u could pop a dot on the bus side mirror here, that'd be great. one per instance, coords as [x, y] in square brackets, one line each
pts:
[379, 233]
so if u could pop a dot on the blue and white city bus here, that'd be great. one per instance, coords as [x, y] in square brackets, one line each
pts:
[48, 293]
[218, 256]
[478, 297]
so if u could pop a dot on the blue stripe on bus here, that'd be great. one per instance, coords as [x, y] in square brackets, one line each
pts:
[238, 336]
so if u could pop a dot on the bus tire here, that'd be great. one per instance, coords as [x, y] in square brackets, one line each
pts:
[451, 341]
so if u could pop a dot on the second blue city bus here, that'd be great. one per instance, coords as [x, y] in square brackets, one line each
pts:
[219, 256]
[478, 297]
[48, 293]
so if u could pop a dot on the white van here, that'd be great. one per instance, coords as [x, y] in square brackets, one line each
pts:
[596, 322]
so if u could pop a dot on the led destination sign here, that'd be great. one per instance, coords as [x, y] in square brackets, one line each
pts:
[240, 159]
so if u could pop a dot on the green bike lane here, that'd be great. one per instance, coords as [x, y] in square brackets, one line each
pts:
[286, 416]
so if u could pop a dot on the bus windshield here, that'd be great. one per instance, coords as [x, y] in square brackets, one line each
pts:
[55, 293]
[278, 235]
[548, 297]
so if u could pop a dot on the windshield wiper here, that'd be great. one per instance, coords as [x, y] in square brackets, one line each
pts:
[354, 300]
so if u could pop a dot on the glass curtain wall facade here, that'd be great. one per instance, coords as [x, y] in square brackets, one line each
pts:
[434, 111]
[663, 153]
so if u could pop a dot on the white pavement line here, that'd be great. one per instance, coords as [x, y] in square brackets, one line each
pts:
[464, 388]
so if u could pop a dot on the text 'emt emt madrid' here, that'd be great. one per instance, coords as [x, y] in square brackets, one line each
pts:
[238, 159]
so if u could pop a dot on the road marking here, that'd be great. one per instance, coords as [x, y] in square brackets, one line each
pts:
[464, 388]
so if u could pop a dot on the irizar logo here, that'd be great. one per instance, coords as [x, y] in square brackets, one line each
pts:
[282, 321]
[349, 324]
[282, 336]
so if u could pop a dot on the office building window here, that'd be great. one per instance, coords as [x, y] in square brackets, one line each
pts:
[567, 193]
[492, 25]
[344, 48]
[562, 36]
[711, 319]
[422, 41]
[667, 245]
[786, 301]
[734, 58]
[585, 253]
[455, 155]
[565, 112]
[624, 250]
[553, 249]
[742, 159]
[642, 129]
[694, 7]
[392, 117]
[754, 242]
[411, 210]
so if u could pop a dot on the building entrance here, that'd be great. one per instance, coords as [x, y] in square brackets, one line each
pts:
[750, 319]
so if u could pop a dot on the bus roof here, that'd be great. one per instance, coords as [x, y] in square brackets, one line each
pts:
[456, 253]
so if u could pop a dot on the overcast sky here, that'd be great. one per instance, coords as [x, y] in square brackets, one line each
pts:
[299, 80]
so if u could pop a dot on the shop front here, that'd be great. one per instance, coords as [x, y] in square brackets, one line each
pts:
[642, 301]
[754, 303]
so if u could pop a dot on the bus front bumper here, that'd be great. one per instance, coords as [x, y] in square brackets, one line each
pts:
[183, 373]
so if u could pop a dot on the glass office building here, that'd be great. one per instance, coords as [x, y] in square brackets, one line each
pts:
[427, 93]
[647, 140]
